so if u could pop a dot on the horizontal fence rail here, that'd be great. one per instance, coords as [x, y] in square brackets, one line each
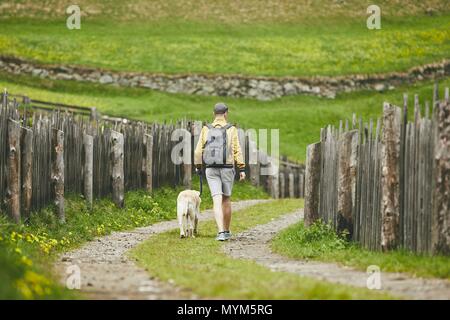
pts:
[48, 149]
[385, 183]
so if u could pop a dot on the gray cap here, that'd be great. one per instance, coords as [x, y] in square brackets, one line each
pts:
[220, 108]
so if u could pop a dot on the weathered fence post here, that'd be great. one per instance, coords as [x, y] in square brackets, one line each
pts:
[118, 186]
[253, 163]
[26, 146]
[282, 178]
[312, 183]
[435, 93]
[94, 115]
[187, 159]
[301, 185]
[440, 223]
[291, 185]
[347, 148]
[274, 182]
[276, 185]
[149, 163]
[88, 172]
[390, 176]
[13, 170]
[187, 175]
[58, 172]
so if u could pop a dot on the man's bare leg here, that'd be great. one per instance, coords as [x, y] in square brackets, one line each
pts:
[218, 212]
[226, 209]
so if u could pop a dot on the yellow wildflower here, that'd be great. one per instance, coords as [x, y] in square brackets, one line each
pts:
[26, 261]
[24, 289]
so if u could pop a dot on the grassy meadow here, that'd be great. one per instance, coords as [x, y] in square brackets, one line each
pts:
[313, 38]
[299, 118]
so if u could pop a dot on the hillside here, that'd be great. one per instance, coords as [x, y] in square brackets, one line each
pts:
[297, 38]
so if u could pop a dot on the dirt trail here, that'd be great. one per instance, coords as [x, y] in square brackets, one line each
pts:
[107, 272]
[254, 244]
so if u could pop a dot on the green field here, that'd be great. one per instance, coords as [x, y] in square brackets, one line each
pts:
[312, 39]
[299, 118]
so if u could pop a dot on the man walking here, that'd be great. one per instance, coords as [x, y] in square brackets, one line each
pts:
[218, 147]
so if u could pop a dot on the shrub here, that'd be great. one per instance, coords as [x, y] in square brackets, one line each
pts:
[319, 238]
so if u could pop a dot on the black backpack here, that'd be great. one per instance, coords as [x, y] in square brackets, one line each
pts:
[215, 149]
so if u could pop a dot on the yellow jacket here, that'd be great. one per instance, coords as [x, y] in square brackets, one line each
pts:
[232, 140]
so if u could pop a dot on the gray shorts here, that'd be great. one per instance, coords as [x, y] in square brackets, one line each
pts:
[220, 180]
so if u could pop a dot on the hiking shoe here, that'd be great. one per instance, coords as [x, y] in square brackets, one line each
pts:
[221, 236]
[227, 235]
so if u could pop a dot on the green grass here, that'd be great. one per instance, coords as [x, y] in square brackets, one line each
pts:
[320, 243]
[22, 278]
[299, 118]
[309, 47]
[28, 250]
[222, 11]
[191, 262]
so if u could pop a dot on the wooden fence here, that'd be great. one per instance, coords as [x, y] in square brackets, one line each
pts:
[385, 183]
[46, 152]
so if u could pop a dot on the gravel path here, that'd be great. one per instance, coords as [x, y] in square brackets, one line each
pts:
[107, 272]
[255, 245]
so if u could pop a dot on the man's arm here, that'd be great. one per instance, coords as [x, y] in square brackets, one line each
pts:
[198, 152]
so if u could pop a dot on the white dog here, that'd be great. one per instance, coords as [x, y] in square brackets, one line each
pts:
[188, 209]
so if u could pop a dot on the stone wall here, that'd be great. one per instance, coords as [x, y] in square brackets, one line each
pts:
[261, 88]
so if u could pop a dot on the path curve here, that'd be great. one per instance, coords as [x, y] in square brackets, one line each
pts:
[254, 244]
[107, 272]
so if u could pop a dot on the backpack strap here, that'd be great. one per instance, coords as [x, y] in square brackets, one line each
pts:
[225, 144]
[209, 126]
[226, 127]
